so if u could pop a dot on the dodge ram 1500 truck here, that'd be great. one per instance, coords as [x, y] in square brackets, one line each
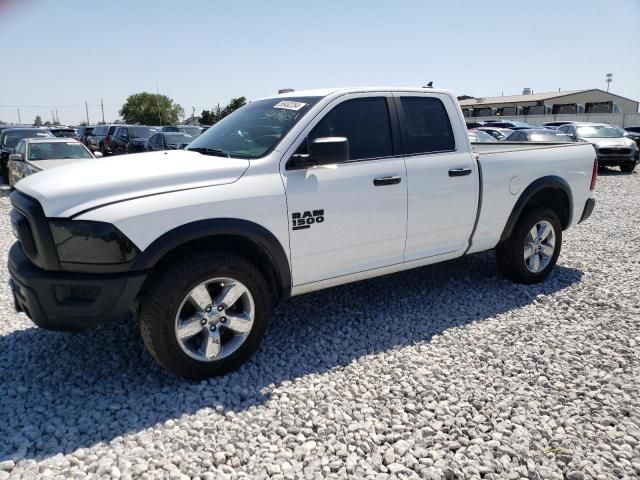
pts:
[290, 194]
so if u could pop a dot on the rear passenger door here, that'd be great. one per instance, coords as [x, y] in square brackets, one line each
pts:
[443, 181]
[354, 213]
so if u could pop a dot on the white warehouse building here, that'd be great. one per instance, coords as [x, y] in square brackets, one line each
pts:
[592, 105]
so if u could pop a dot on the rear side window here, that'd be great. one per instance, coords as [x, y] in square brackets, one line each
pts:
[427, 127]
[364, 122]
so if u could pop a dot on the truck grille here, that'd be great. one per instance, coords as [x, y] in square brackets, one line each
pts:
[615, 151]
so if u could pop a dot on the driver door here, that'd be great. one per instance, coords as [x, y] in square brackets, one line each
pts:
[348, 217]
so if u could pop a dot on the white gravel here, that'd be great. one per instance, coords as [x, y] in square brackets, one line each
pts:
[444, 372]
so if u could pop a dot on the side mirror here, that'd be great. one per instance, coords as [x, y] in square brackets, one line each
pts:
[97, 154]
[15, 157]
[323, 151]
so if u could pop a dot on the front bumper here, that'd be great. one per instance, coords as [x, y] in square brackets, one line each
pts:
[66, 301]
[617, 160]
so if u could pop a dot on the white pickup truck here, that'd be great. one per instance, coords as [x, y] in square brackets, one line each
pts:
[290, 194]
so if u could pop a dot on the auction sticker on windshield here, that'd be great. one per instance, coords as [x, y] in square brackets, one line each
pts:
[289, 105]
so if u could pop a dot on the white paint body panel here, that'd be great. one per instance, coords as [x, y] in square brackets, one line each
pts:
[428, 217]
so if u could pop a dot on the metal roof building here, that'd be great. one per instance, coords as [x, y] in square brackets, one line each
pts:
[582, 97]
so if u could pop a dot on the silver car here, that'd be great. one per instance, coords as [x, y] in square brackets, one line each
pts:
[612, 147]
[35, 154]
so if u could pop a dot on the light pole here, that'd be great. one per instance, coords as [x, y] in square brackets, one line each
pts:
[609, 80]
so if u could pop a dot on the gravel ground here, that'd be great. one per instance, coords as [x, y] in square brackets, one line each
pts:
[443, 372]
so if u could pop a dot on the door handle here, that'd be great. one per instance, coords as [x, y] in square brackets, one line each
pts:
[459, 172]
[378, 182]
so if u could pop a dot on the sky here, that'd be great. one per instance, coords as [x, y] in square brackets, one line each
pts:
[55, 55]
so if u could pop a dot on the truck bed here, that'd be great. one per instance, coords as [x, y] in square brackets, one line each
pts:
[487, 148]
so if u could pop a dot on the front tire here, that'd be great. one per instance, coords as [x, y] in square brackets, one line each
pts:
[205, 314]
[627, 167]
[530, 253]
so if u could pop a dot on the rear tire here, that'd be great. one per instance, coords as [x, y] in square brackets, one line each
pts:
[527, 258]
[169, 308]
[627, 168]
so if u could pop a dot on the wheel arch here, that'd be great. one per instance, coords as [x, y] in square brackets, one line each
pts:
[242, 237]
[551, 191]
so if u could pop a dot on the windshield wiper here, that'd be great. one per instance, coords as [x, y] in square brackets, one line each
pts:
[210, 151]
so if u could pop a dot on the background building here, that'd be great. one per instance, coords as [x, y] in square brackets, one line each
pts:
[593, 105]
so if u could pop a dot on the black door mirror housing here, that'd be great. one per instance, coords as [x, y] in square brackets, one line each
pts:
[323, 151]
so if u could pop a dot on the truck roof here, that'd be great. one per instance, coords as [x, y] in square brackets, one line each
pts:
[325, 92]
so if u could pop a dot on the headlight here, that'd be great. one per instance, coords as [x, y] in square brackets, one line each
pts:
[84, 241]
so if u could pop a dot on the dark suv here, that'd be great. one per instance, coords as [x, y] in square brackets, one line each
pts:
[130, 138]
[83, 133]
[100, 138]
[9, 138]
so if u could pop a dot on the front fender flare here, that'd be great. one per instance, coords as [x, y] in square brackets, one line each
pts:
[200, 229]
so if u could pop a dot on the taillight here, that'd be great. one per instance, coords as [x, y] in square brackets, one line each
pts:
[594, 175]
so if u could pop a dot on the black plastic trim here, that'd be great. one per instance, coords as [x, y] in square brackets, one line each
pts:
[259, 235]
[538, 185]
[46, 256]
[36, 293]
[588, 209]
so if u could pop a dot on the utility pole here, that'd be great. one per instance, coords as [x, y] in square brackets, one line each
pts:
[57, 117]
[53, 117]
[609, 79]
[102, 108]
[86, 108]
[193, 114]
[19, 121]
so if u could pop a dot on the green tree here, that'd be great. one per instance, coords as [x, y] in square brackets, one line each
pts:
[210, 117]
[38, 121]
[151, 109]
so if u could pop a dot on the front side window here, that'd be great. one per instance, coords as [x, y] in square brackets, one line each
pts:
[427, 126]
[253, 130]
[364, 122]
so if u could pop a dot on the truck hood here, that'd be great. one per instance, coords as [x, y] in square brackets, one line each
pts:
[69, 189]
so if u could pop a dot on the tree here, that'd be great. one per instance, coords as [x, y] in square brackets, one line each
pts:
[151, 109]
[465, 97]
[210, 117]
[38, 121]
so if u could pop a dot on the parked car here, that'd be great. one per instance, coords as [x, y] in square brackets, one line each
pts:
[33, 155]
[557, 124]
[476, 135]
[63, 132]
[130, 138]
[195, 132]
[168, 141]
[9, 138]
[100, 139]
[538, 135]
[83, 133]
[511, 124]
[612, 147]
[475, 124]
[495, 132]
[633, 133]
[168, 128]
[250, 214]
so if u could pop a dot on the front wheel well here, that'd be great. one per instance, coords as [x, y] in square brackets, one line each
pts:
[235, 244]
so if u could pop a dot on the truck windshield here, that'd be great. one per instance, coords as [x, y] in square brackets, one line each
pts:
[599, 131]
[255, 129]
